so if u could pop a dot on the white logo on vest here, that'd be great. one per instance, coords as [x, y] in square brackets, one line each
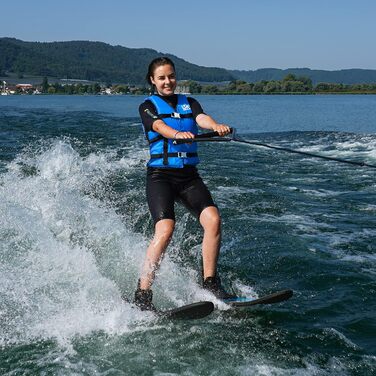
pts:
[185, 107]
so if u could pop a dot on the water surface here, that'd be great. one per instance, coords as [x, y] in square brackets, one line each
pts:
[74, 226]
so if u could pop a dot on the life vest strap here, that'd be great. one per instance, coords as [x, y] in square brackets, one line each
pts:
[175, 115]
[155, 139]
[165, 152]
[180, 154]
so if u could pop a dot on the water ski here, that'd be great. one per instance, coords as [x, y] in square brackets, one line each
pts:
[192, 311]
[275, 297]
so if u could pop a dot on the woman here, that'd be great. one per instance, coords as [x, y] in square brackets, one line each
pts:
[172, 176]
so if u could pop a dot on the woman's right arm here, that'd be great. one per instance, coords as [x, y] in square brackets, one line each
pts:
[158, 125]
[162, 128]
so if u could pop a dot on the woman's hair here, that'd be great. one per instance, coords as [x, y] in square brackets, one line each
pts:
[159, 61]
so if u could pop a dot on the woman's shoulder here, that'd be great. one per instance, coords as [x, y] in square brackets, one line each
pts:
[195, 106]
[192, 100]
[146, 104]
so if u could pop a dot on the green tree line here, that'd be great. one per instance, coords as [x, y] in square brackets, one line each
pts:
[79, 88]
[289, 84]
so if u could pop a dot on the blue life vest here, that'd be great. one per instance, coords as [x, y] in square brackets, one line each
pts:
[163, 153]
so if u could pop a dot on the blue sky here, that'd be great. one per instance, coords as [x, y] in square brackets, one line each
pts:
[233, 34]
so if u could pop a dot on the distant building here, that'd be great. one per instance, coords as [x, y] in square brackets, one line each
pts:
[106, 91]
[25, 88]
[4, 90]
[182, 88]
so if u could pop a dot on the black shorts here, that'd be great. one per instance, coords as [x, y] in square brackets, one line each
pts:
[164, 186]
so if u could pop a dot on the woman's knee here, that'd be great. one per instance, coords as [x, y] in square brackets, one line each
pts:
[164, 230]
[210, 219]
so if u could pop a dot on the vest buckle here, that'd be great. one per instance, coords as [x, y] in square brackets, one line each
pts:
[175, 115]
[182, 154]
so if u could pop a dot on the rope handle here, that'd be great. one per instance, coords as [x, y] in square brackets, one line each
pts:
[209, 136]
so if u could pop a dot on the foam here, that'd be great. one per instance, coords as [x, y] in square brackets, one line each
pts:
[318, 192]
[354, 147]
[309, 369]
[67, 255]
[335, 333]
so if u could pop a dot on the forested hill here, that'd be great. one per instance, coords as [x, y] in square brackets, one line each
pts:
[98, 61]
[344, 76]
[94, 61]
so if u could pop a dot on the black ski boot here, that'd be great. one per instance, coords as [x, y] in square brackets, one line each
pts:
[213, 284]
[143, 300]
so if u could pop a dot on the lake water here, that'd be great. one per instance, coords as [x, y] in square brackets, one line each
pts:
[74, 226]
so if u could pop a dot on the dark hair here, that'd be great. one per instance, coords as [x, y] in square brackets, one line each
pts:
[159, 61]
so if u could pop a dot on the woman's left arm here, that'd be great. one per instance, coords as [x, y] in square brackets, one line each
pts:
[207, 122]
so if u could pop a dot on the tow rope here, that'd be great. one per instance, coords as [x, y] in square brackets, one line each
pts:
[214, 136]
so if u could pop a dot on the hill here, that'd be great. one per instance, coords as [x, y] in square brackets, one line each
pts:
[98, 61]
[94, 61]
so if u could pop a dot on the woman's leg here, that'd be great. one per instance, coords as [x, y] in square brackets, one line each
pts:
[211, 222]
[164, 229]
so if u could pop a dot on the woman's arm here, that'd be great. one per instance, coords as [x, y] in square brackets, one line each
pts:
[207, 122]
[148, 114]
[166, 131]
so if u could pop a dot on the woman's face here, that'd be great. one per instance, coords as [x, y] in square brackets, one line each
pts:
[164, 80]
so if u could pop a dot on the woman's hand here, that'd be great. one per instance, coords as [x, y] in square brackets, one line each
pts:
[183, 135]
[222, 129]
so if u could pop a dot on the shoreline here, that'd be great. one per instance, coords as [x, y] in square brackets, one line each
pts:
[189, 94]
